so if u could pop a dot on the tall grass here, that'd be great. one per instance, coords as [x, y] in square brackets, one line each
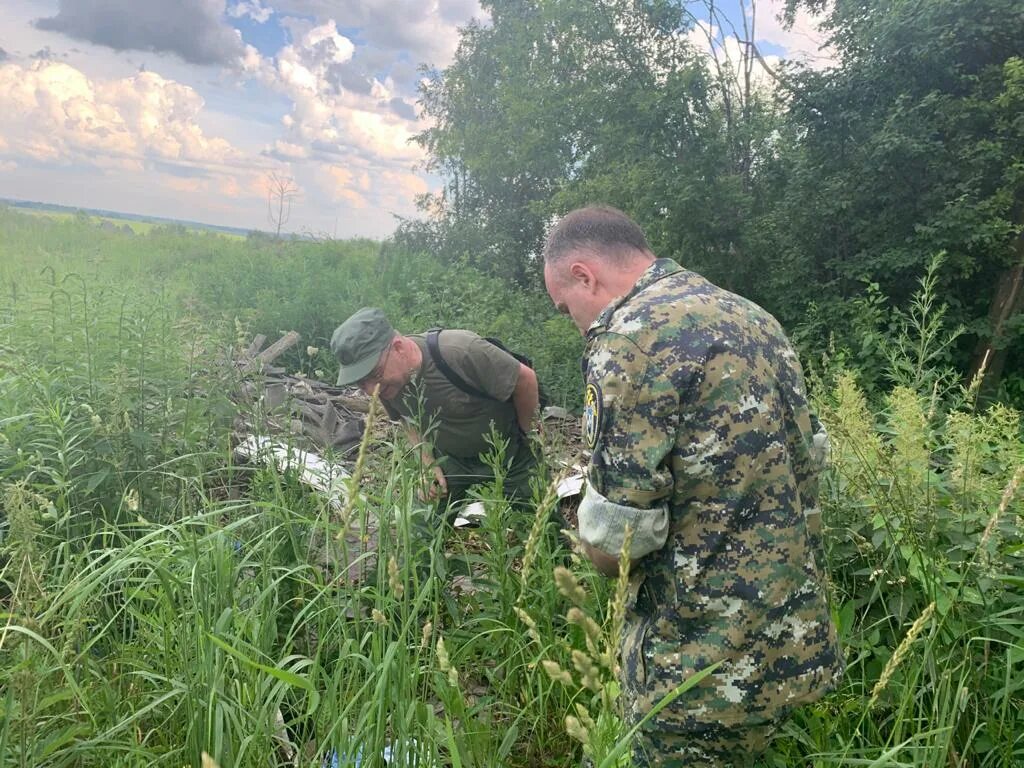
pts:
[162, 603]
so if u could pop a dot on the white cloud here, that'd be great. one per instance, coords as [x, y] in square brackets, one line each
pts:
[225, 187]
[53, 112]
[251, 61]
[803, 41]
[291, 151]
[426, 29]
[251, 8]
[89, 127]
[726, 54]
[326, 41]
[330, 121]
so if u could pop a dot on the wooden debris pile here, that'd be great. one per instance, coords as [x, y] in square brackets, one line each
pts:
[303, 425]
[309, 413]
[311, 428]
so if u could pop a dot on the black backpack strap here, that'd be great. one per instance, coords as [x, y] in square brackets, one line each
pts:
[435, 353]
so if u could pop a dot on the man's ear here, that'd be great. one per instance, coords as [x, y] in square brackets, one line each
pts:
[582, 273]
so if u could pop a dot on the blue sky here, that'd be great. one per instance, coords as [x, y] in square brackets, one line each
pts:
[184, 108]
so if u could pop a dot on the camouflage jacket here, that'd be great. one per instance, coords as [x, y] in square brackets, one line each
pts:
[702, 441]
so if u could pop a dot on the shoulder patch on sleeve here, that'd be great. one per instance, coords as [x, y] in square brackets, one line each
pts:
[592, 412]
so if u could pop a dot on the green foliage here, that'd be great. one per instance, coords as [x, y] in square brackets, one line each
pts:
[797, 198]
[554, 104]
[910, 146]
[894, 347]
[159, 602]
[922, 516]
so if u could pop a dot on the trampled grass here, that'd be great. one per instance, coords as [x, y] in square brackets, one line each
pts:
[162, 602]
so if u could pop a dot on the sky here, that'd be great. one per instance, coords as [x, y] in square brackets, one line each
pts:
[185, 108]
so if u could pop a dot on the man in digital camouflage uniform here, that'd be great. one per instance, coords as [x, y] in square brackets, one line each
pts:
[450, 426]
[702, 443]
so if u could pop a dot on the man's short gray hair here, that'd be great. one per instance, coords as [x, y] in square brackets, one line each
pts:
[601, 229]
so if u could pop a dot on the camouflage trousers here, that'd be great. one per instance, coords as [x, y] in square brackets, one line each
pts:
[674, 738]
[714, 747]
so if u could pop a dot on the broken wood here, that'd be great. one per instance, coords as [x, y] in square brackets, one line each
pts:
[271, 353]
[256, 346]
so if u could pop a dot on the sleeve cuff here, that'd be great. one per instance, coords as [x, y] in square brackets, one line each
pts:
[602, 524]
[821, 447]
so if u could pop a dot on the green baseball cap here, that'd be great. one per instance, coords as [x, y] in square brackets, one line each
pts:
[359, 342]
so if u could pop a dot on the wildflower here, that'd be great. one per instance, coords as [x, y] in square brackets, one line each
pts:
[312, 351]
[540, 520]
[617, 608]
[591, 630]
[131, 500]
[357, 471]
[428, 629]
[378, 617]
[589, 674]
[531, 625]
[1008, 494]
[585, 719]
[445, 665]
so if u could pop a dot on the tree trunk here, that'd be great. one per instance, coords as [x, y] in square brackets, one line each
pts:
[1007, 301]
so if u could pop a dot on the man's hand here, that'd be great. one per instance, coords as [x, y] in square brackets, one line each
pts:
[437, 487]
[606, 565]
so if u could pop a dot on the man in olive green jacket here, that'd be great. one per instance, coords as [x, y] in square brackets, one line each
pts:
[449, 423]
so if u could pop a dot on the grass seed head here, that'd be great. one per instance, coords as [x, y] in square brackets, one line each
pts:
[576, 730]
[569, 587]
[428, 630]
[394, 579]
[901, 650]
[556, 673]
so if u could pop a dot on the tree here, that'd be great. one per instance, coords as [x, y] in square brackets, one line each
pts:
[562, 102]
[281, 191]
[911, 146]
[822, 201]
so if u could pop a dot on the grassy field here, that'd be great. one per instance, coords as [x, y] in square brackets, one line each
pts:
[160, 602]
[137, 227]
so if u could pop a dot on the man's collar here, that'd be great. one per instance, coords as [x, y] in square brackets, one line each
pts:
[659, 269]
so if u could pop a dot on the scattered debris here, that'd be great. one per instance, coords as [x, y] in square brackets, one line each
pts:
[316, 472]
[273, 402]
[296, 423]
[299, 424]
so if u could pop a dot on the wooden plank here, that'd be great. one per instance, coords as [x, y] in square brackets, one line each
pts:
[356, 404]
[328, 423]
[279, 347]
[272, 352]
[256, 346]
[310, 411]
